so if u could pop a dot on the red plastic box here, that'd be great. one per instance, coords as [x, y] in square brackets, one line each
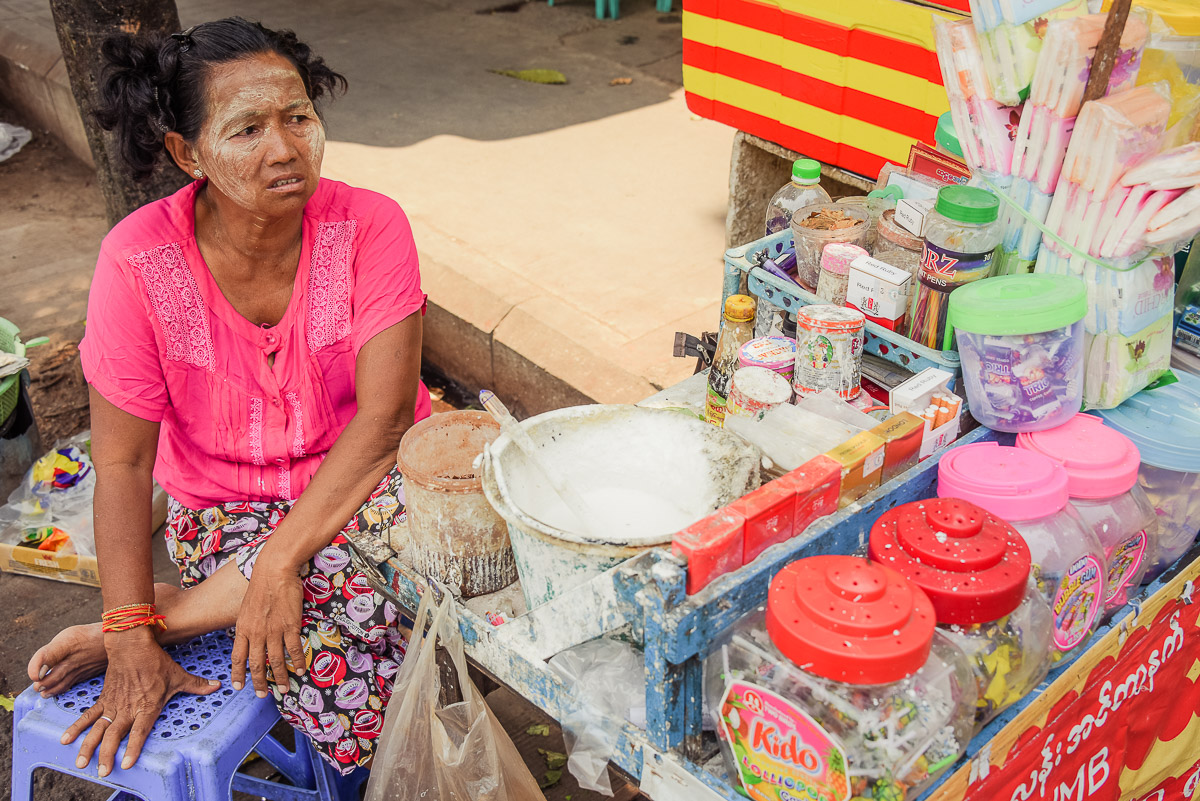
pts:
[712, 547]
[770, 513]
[816, 485]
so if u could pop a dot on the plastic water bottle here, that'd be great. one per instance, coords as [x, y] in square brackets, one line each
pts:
[803, 190]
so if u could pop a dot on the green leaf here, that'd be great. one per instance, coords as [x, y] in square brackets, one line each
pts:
[534, 76]
[539, 730]
[6, 702]
[549, 779]
[554, 759]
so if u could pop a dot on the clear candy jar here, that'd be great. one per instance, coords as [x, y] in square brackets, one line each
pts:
[840, 684]
[1029, 491]
[1102, 472]
[1164, 424]
[1021, 341]
[975, 569]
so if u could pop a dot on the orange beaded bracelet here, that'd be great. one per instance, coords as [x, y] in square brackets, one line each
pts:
[130, 616]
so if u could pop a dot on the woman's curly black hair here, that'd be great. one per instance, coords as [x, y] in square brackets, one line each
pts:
[154, 84]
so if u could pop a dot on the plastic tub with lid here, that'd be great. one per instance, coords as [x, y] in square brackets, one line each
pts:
[1020, 338]
[840, 685]
[1164, 424]
[975, 569]
[1102, 470]
[1029, 491]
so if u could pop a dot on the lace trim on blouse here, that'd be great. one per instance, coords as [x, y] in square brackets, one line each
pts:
[330, 283]
[181, 311]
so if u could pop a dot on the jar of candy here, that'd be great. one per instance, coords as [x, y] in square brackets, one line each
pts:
[961, 234]
[840, 685]
[1029, 492]
[896, 246]
[975, 569]
[1102, 470]
[1164, 424]
[835, 271]
[1020, 338]
[815, 226]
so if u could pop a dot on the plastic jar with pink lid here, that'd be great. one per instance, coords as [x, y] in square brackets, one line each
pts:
[975, 569]
[840, 687]
[1102, 479]
[1029, 491]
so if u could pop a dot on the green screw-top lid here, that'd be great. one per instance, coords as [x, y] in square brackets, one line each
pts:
[946, 136]
[1016, 304]
[968, 204]
[806, 171]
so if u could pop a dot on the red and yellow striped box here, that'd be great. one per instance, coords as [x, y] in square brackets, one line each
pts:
[851, 83]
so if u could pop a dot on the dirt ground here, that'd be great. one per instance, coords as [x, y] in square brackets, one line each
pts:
[51, 223]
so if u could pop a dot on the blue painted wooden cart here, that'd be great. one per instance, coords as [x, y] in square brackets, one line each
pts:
[645, 599]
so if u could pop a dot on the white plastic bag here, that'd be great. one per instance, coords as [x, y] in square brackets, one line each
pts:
[608, 679]
[455, 753]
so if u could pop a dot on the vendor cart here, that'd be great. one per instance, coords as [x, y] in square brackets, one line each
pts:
[1056, 735]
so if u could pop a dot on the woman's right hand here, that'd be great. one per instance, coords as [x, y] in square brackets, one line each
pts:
[141, 678]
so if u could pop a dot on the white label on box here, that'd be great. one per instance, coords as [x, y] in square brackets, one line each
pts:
[877, 289]
[910, 214]
[873, 462]
[913, 395]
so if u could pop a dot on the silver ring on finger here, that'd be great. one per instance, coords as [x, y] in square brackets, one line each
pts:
[106, 717]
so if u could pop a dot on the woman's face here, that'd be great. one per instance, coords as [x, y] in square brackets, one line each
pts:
[262, 143]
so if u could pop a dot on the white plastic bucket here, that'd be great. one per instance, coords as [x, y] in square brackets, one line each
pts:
[664, 469]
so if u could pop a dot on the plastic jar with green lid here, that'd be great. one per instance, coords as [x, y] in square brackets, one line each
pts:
[1020, 338]
[961, 235]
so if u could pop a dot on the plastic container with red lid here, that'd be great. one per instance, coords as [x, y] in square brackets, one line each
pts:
[1102, 480]
[975, 569]
[841, 683]
[1029, 491]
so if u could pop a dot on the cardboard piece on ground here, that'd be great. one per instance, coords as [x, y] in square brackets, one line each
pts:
[71, 568]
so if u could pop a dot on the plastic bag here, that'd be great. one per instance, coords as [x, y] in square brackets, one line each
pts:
[52, 508]
[609, 679]
[455, 753]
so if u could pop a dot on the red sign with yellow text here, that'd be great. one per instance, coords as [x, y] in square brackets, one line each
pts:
[1122, 723]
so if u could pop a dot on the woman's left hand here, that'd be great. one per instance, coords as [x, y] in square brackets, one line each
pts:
[268, 627]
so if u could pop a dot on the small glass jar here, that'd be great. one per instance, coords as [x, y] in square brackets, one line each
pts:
[1029, 492]
[975, 569]
[1102, 471]
[835, 271]
[961, 236]
[896, 246]
[815, 226]
[841, 684]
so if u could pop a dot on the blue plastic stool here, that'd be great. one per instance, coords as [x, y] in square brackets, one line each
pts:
[195, 748]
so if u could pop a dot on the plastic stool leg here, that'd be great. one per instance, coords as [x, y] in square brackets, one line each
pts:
[331, 784]
[296, 765]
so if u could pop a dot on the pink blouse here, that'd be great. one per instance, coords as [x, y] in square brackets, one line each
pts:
[164, 344]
